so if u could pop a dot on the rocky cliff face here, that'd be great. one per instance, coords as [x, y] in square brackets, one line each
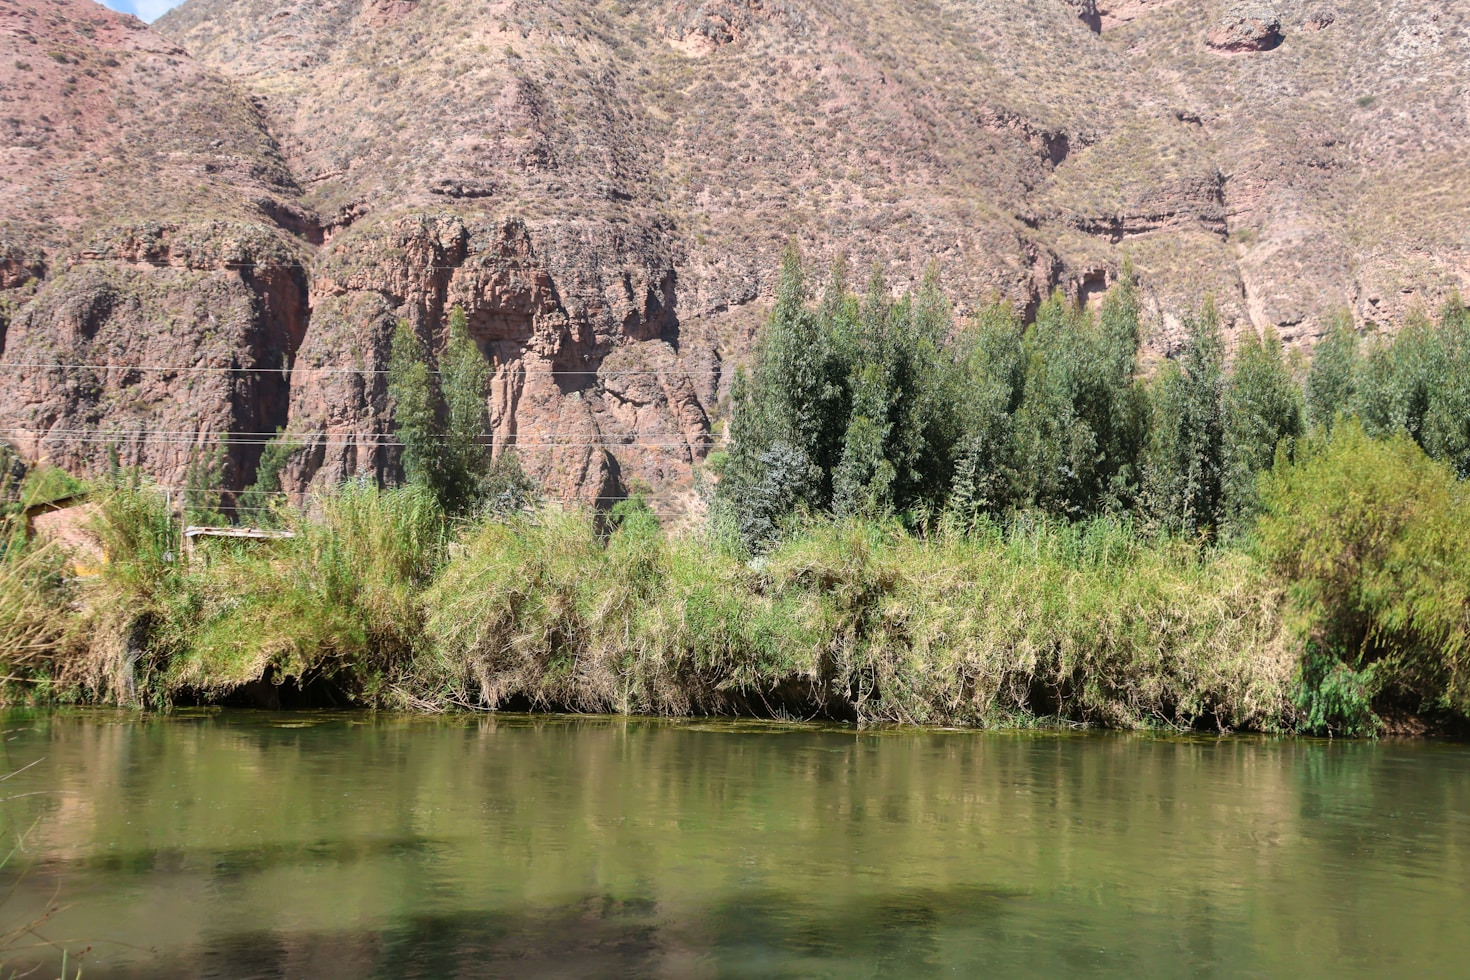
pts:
[607, 189]
[140, 194]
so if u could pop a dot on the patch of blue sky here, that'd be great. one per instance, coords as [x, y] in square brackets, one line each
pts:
[149, 10]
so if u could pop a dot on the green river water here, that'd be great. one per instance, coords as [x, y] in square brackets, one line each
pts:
[239, 844]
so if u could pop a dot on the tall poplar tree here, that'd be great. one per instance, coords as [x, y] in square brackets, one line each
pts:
[442, 418]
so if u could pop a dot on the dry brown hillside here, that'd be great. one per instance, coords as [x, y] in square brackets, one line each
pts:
[606, 187]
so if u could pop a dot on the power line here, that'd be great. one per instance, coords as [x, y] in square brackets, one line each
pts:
[230, 266]
[217, 369]
[182, 443]
[304, 438]
[666, 495]
[309, 439]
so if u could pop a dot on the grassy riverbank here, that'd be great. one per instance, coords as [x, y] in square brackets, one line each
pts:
[386, 604]
[1345, 610]
[1006, 524]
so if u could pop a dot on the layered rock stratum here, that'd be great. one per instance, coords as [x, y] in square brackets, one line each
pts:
[211, 226]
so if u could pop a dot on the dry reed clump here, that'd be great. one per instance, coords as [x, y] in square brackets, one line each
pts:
[507, 615]
[1084, 624]
[339, 601]
[119, 608]
[38, 624]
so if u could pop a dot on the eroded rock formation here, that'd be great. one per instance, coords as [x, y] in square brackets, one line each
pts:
[212, 227]
[1246, 27]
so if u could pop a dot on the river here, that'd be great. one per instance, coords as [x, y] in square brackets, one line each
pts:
[240, 844]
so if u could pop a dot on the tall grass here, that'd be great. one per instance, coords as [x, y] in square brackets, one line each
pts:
[866, 622]
[1351, 604]
[339, 601]
[37, 628]
[137, 591]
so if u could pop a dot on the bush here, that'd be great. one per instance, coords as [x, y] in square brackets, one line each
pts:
[1371, 536]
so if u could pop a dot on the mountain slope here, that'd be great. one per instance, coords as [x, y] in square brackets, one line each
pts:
[141, 209]
[606, 188]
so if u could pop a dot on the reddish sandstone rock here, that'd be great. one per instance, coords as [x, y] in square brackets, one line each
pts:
[260, 190]
[1246, 27]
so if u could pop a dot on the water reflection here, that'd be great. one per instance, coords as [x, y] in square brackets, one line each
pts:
[235, 844]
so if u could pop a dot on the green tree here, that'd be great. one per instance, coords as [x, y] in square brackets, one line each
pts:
[464, 378]
[1263, 415]
[778, 420]
[1446, 427]
[1057, 446]
[1332, 378]
[851, 407]
[442, 419]
[932, 383]
[903, 388]
[992, 362]
[1078, 428]
[1397, 379]
[1185, 456]
[864, 481]
[1123, 421]
[415, 409]
[274, 458]
[203, 480]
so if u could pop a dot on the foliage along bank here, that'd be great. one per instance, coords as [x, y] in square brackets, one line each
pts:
[1001, 525]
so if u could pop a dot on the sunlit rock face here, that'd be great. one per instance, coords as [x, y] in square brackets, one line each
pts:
[271, 187]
